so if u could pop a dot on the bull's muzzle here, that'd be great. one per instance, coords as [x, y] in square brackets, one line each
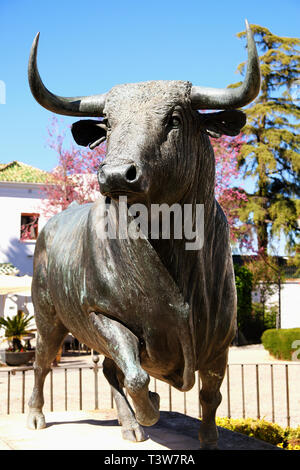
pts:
[118, 180]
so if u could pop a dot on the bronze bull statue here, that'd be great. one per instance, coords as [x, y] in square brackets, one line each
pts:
[149, 305]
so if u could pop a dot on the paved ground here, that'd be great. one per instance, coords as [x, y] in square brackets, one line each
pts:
[100, 431]
[250, 379]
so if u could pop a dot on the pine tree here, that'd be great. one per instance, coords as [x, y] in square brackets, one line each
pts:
[271, 153]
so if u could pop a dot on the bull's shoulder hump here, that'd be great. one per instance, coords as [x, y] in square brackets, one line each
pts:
[65, 220]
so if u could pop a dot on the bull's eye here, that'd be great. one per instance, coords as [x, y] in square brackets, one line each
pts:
[174, 121]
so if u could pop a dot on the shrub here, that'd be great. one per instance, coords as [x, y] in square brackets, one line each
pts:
[286, 438]
[252, 318]
[293, 438]
[279, 342]
[261, 319]
[15, 328]
[266, 315]
[243, 282]
[260, 429]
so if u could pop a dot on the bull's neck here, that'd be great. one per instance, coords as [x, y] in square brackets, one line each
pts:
[185, 265]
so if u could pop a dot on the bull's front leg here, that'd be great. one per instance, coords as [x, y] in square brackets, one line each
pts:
[49, 339]
[131, 430]
[122, 346]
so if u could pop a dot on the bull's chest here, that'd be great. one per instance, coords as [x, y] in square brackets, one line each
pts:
[124, 280]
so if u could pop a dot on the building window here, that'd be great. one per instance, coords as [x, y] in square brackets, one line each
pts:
[29, 226]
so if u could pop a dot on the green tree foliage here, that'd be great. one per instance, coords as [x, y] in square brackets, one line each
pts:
[243, 282]
[253, 318]
[271, 153]
[266, 274]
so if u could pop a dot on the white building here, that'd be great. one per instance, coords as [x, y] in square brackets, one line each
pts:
[290, 303]
[21, 194]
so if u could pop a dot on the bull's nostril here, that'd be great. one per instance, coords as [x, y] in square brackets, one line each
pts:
[131, 173]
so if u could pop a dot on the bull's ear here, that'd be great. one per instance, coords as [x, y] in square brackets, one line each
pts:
[223, 122]
[88, 132]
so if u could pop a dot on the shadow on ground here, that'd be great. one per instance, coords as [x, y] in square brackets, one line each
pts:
[177, 431]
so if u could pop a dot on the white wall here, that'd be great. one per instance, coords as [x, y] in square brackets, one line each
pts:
[290, 304]
[17, 198]
[11, 303]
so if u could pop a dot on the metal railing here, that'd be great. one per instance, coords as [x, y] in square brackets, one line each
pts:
[285, 386]
[269, 391]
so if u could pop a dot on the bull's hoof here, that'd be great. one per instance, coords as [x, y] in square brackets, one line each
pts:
[150, 416]
[36, 420]
[135, 434]
[208, 436]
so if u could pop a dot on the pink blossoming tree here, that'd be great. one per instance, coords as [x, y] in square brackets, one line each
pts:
[75, 176]
[229, 196]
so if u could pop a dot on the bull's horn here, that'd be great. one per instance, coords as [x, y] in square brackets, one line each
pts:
[77, 106]
[230, 98]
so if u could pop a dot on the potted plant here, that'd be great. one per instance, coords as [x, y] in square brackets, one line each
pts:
[18, 334]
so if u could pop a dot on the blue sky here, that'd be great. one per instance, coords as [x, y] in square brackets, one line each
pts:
[88, 46]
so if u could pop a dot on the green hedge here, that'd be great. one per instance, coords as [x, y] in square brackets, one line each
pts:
[286, 438]
[281, 343]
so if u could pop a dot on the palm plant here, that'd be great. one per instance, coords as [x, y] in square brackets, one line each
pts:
[16, 328]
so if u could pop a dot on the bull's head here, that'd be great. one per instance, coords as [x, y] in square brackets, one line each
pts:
[154, 132]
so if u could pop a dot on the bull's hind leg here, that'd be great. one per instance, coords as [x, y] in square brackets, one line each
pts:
[123, 348]
[49, 339]
[131, 430]
[210, 398]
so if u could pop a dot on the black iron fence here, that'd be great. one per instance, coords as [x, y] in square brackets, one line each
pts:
[264, 391]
